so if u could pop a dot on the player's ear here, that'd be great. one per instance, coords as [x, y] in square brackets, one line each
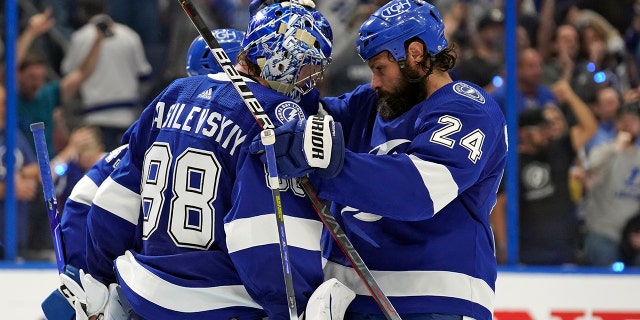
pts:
[415, 52]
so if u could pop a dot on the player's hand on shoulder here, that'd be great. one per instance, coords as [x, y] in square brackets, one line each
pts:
[310, 145]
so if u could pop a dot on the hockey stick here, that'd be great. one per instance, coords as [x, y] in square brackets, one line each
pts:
[268, 139]
[321, 209]
[49, 192]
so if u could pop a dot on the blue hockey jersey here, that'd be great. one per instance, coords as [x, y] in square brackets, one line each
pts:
[414, 196]
[74, 216]
[200, 203]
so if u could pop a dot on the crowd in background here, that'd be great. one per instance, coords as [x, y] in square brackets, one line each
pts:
[578, 89]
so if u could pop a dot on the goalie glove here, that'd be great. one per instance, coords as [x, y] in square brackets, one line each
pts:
[313, 145]
[89, 297]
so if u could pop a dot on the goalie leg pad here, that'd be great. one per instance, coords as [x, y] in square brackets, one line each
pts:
[56, 307]
[59, 304]
[329, 301]
[116, 309]
[89, 297]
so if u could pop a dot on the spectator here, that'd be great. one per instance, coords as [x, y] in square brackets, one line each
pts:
[605, 108]
[487, 59]
[25, 178]
[630, 247]
[38, 98]
[613, 188]
[87, 149]
[548, 225]
[563, 56]
[111, 94]
[531, 91]
[347, 70]
[604, 52]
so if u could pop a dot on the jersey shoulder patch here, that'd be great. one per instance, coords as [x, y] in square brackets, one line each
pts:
[468, 91]
[288, 111]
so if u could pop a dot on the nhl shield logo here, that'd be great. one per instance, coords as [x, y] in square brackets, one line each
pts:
[288, 111]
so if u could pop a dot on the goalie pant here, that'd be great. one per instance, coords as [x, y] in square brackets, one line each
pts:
[207, 229]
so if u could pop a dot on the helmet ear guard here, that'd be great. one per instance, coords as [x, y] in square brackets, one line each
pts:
[284, 37]
[200, 60]
[389, 27]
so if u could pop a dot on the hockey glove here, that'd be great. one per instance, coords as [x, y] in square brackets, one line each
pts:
[313, 145]
[89, 296]
[257, 5]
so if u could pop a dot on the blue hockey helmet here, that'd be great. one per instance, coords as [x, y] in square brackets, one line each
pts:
[200, 60]
[284, 37]
[389, 27]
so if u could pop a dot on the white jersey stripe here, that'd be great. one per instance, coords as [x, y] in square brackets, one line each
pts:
[178, 298]
[84, 191]
[115, 198]
[417, 283]
[438, 180]
[263, 230]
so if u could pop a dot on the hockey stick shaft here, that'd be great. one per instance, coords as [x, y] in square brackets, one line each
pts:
[348, 250]
[321, 209]
[267, 136]
[49, 192]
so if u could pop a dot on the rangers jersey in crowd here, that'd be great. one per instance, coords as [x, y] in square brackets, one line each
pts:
[74, 216]
[418, 213]
[200, 203]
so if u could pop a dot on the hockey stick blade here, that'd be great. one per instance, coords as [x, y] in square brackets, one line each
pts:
[265, 123]
[49, 192]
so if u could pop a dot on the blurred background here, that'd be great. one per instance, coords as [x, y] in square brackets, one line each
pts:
[565, 72]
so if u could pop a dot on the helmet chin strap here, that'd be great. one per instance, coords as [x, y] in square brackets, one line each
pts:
[402, 64]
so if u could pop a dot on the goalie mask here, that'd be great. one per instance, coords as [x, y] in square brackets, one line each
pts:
[282, 39]
[393, 24]
[200, 60]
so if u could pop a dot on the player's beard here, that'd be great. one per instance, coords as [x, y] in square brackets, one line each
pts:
[402, 97]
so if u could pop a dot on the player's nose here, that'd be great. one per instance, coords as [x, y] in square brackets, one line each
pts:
[376, 83]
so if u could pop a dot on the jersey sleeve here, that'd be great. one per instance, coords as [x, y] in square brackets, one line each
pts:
[444, 159]
[113, 219]
[76, 208]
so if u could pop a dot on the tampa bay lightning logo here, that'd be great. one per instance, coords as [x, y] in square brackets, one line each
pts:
[362, 216]
[288, 111]
[391, 147]
[395, 9]
[468, 91]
